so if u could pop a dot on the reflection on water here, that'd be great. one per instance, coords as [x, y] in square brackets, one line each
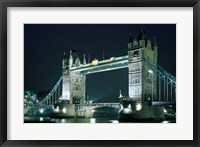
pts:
[92, 120]
[41, 119]
[82, 120]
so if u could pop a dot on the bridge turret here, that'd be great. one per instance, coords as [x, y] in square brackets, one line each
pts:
[155, 49]
[149, 44]
[64, 58]
[77, 62]
[120, 93]
[130, 43]
[84, 60]
[64, 62]
[135, 44]
[74, 58]
[70, 59]
[142, 38]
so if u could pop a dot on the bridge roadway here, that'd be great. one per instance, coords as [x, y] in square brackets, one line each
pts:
[96, 105]
[103, 65]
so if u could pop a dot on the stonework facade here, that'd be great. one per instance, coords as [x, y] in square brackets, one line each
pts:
[73, 89]
[142, 80]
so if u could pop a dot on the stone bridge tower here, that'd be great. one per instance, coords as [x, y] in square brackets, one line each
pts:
[142, 81]
[73, 89]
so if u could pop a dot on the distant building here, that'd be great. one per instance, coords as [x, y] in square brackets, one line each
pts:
[30, 98]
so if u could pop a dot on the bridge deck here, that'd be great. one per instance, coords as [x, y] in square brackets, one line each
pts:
[104, 65]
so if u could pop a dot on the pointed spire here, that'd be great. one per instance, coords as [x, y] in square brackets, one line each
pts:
[149, 44]
[64, 56]
[131, 38]
[84, 60]
[142, 34]
[120, 94]
[142, 27]
[103, 54]
[154, 42]
[64, 61]
[70, 54]
[88, 58]
[70, 59]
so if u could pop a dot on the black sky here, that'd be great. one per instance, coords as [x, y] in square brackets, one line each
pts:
[44, 45]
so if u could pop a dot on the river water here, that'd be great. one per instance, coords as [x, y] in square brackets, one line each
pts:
[84, 120]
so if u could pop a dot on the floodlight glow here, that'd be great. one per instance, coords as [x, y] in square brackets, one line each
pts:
[63, 121]
[112, 58]
[165, 122]
[115, 121]
[64, 110]
[95, 62]
[138, 107]
[165, 111]
[57, 109]
[150, 71]
[127, 111]
[41, 110]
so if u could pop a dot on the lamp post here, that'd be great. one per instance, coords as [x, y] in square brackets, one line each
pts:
[151, 72]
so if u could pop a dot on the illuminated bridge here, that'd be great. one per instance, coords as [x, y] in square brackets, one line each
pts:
[147, 80]
[166, 83]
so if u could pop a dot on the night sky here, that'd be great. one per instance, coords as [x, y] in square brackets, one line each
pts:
[44, 45]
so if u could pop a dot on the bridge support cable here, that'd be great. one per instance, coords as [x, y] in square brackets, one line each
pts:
[152, 88]
[167, 93]
[159, 89]
[47, 100]
[164, 89]
[165, 79]
[171, 94]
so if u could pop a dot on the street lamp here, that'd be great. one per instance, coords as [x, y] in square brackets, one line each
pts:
[151, 72]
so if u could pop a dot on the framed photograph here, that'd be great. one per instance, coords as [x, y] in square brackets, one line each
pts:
[99, 73]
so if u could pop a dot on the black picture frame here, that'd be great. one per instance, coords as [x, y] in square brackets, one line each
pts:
[4, 4]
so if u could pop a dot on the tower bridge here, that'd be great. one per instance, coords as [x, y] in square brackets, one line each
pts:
[148, 81]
